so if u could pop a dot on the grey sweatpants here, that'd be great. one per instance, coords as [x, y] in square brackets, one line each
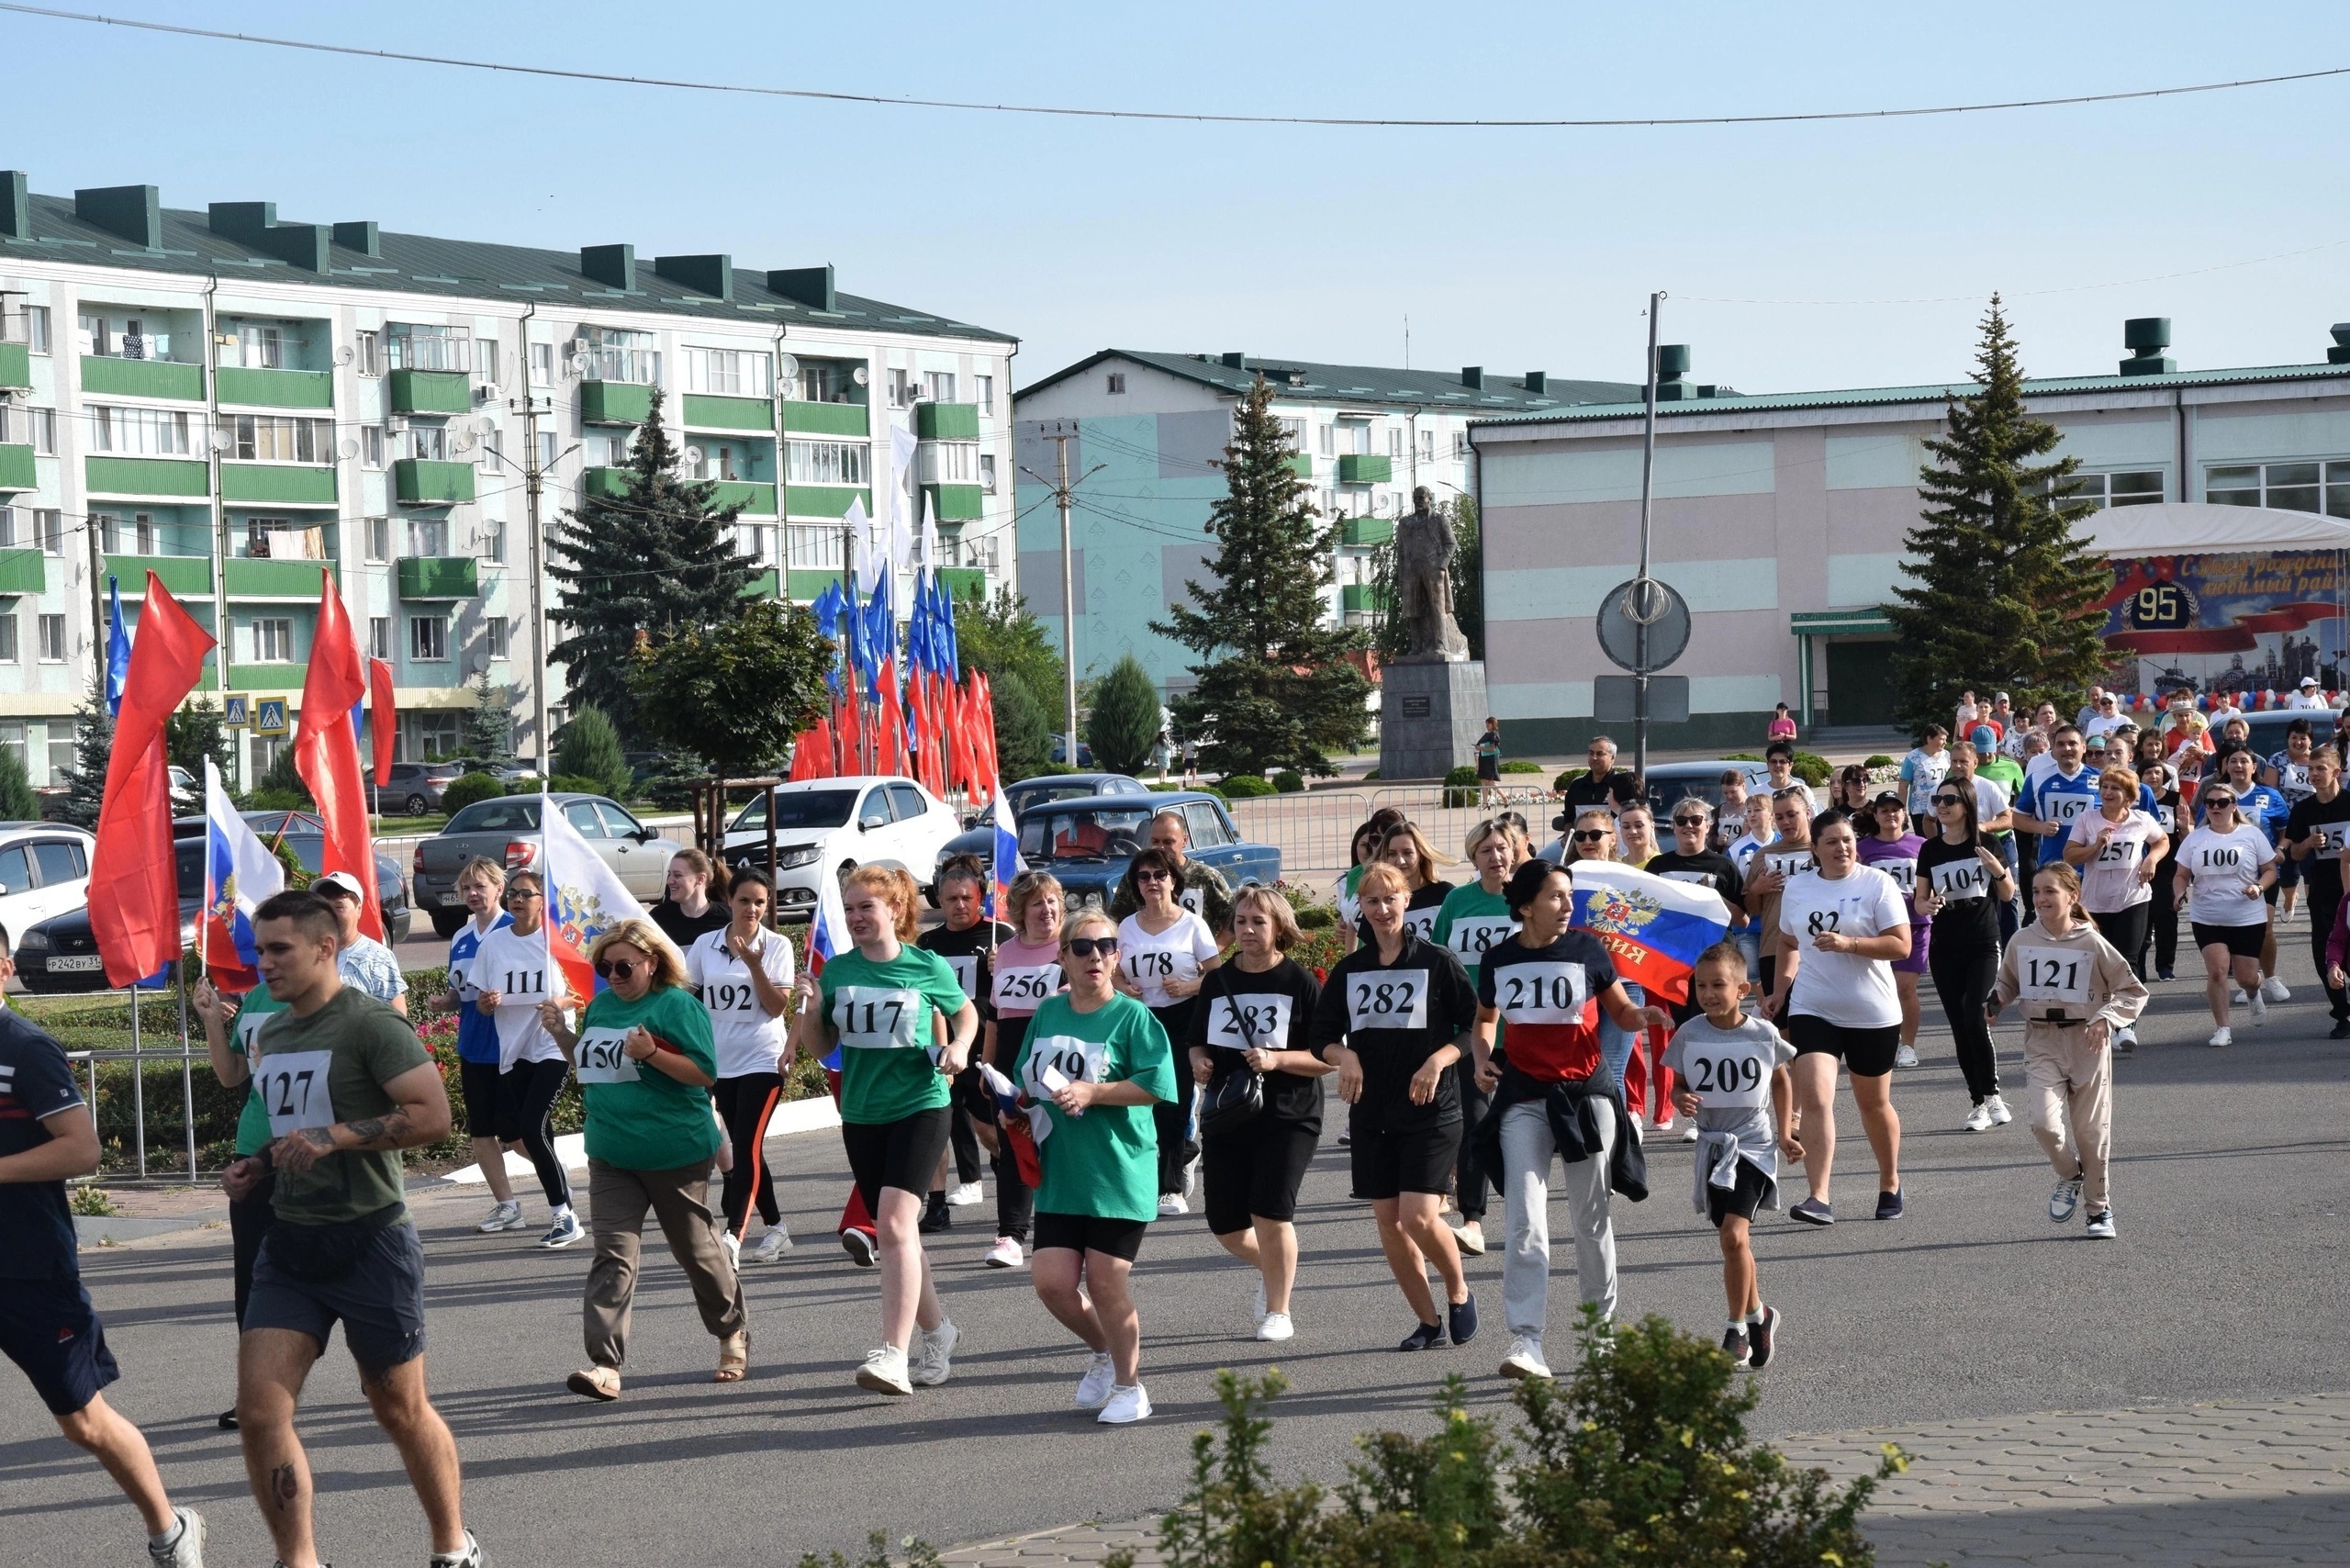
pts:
[1527, 1151]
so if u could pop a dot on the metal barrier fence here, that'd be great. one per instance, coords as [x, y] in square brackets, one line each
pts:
[180, 1052]
[1314, 831]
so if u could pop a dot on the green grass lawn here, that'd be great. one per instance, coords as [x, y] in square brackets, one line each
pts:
[402, 828]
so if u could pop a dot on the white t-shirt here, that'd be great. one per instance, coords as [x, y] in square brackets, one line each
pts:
[2110, 881]
[518, 970]
[2103, 724]
[1844, 988]
[1990, 798]
[1742, 850]
[747, 1039]
[1924, 770]
[1176, 953]
[2303, 701]
[2223, 866]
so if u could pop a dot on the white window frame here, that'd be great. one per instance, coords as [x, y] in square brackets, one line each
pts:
[11, 653]
[376, 536]
[428, 639]
[379, 638]
[939, 386]
[272, 640]
[902, 387]
[367, 352]
[429, 345]
[49, 530]
[494, 640]
[620, 354]
[370, 446]
[52, 645]
[142, 432]
[2332, 486]
[730, 373]
[541, 365]
[983, 393]
[987, 472]
[828, 463]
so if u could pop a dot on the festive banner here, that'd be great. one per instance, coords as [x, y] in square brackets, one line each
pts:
[2238, 622]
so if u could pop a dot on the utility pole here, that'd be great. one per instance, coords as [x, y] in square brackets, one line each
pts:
[217, 533]
[1644, 608]
[1060, 433]
[532, 476]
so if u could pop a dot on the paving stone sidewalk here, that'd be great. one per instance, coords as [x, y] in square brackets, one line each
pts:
[2159, 1486]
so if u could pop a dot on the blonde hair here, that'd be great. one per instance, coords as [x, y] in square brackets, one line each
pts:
[897, 885]
[1387, 875]
[637, 932]
[482, 868]
[1286, 934]
[1026, 889]
[1086, 919]
[1494, 827]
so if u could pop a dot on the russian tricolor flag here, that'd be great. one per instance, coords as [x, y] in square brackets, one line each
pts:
[239, 874]
[1009, 863]
[827, 938]
[1653, 927]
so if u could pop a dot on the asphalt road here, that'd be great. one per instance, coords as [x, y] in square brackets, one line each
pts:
[2229, 1281]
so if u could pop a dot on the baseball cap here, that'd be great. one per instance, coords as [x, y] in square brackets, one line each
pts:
[2001, 697]
[2309, 680]
[339, 882]
[1982, 736]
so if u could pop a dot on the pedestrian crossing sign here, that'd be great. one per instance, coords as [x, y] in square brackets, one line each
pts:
[269, 716]
[236, 712]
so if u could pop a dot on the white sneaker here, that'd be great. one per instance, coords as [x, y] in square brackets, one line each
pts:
[964, 1194]
[566, 1230]
[1004, 1254]
[1663, 1124]
[731, 1245]
[1689, 1132]
[1979, 1118]
[1275, 1327]
[1525, 1359]
[2000, 1115]
[1191, 1190]
[1101, 1377]
[2065, 1200]
[2223, 1035]
[1127, 1405]
[2274, 990]
[2235, 995]
[1172, 1204]
[1905, 1056]
[507, 1216]
[884, 1370]
[2101, 1226]
[186, 1550]
[772, 1246]
[931, 1363]
[2260, 1007]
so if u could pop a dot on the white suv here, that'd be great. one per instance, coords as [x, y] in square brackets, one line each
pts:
[44, 872]
[825, 826]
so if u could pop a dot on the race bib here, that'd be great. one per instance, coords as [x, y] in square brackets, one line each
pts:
[293, 1088]
[598, 1057]
[522, 986]
[1790, 866]
[1701, 879]
[1955, 879]
[723, 997]
[2331, 836]
[1065, 1056]
[2064, 807]
[1545, 992]
[2044, 976]
[1388, 999]
[1903, 872]
[1021, 990]
[1157, 965]
[2225, 857]
[1421, 922]
[967, 973]
[2168, 818]
[1249, 1022]
[1476, 935]
[873, 1017]
[1190, 899]
[1733, 1079]
[2293, 781]
[2117, 851]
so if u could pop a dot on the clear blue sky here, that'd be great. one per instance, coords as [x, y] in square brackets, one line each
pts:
[1517, 250]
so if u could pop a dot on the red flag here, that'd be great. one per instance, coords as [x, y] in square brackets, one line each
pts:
[889, 756]
[848, 720]
[384, 712]
[133, 893]
[325, 751]
[812, 753]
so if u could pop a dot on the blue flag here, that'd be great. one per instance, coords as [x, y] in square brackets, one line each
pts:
[118, 648]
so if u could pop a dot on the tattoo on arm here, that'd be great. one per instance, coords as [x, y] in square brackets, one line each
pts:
[387, 1131]
[322, 1138]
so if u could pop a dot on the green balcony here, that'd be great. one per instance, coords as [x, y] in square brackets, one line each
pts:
[274, 579]
[276, 484]
[15, 366]
[277, 388]
[145, 476]
[707, 411]
[141, 378]
[963, 582]
[1362, 468]
[946, 422]
[1365, 530]
[824, 500]
[828, 419]
[431, 392]
[1301, 465]
[267, 678]
[614, 403]
[955, 503]
[188, 577]
[17, 470]
[604, 484]
[417, 482]
[1358, 598]
[439, 577]
[22, 571]
[755, 500]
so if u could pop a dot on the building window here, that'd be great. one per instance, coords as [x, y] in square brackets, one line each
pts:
[812, 548]
[489, 540]
[730, 373]
[52, 639]
[138, 539]
[548, 448]
[1330, 441]
[2136, 489]
[493, 636]
[377, 531]
[9, 656]
[249, 345]
[717, 462]
[609, 354]
[278, 438]
[947, 463]
[1427, 446]
[416, 346]
[49, 530]
[938, 387]
[606, 449]
[428, 639]
[1394, 441]
[367, 352]
[379, 637]
[274, 642]
[147, 432]
[2289, 487]
[541, 365]
[987, 472]
[486, 359]
[426, 443]
[276, 538]
[123, 337]
[428, 536]
[986, 392]
[33, 427]
[370, 446]
[825, 463]
[12, 730]
[901, 388]
[1114, 383]
[1461, 446]
[831, 380]
[1293, 432]
[36, 319]
[7, 527]
[62, 753]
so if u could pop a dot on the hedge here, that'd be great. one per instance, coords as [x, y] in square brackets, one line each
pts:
[1461, 787]
[1247, 786]
[469, 788]
[1289, 781]
[1520, 765]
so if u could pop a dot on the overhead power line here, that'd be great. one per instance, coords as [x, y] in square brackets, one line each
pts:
[1192, 117]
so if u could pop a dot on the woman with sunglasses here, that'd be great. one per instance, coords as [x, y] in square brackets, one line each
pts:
[1595, 838]
[481, 884]
[511, 978]
[1394, 1017]
[1408, 850]
[1101, 1063]
[2226, 869]
[1887, 844]
[1963, 883]
[2116, 847]
[1025, 971]
[741, 972]
[1164, 949]
[1473, 917]
[1849, 788]
[646, 1062]
[2162, 911]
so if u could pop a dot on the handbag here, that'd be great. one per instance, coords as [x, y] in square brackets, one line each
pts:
[1229, 1106]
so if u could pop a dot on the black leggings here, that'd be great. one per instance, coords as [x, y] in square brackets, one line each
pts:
[534, 1085]
[2161, 920]
[1964, 975]
[1468, 1186]
[1015, 1201]
[2321, 913]
[747, 1104]
[1173, 1117]
[2126, 929]
[250, 1218]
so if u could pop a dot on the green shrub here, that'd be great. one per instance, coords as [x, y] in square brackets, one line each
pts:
[1246, 787]
[565, 784]
[1740, 756]
[1314, 917]
[1879, 760]
[590, 748]
[1521, 764]
[1371, 775]
[1559, 785]
[1218, 791]
[1289, 781]
[1024, 735]
[267, 799]
[17, 801]
[1812, 767]
[468, 787]
[1459, 787]
[91, 1200]
[919, 1553]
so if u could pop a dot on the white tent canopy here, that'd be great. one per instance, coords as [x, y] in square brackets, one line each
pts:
[2199, 528]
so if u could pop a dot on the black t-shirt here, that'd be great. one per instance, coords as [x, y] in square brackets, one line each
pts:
[1615, 791]
[1548, 998]
[1705, 868]
[2323, 867]
[1275, 1011]
[36, 1227]
[1957, 874]
[968, 953]
[1395, 1017]
[682, 928]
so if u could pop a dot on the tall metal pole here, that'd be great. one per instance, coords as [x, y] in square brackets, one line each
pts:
[1642, 610]
[1068, 611]
[218, 534]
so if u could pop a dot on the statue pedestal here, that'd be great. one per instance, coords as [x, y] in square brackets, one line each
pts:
[1430, 713]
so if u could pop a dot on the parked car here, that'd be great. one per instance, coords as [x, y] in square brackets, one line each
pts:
[414, 788]
[184, 788]
[825, 827]
[1060, 750]
[1672, 782]
[506, 829]
[980, 837]
[44, 872]
[1087, 842]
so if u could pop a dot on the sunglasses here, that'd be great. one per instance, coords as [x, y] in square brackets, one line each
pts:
[1087, 946]
[1949, 801]
[522, 896]
[1785, 790]
[621, 969]
[2213, 802]
[1688, 822]
[1590, 834]
[1150, 876]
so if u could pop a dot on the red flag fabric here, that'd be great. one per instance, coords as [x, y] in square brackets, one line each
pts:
[325, 751]
[384, 713]
[848, 719]
[889, 756]
[812, 753]
[134, 895]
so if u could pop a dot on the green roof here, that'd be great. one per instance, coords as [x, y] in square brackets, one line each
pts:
[454, 269]
[1361, 383]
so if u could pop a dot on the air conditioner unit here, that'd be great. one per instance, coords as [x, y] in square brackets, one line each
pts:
[487, 392]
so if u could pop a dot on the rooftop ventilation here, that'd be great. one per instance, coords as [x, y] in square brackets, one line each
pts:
[714, 275]
[1672, 382]
[1474, 376]
[1236, 362]
[16, 206]
[360, 237]
[2145, 337]
[614, 266]
[253, 225]
[2340, 352]
[1537, 382]
[127, 212]
[811, 286]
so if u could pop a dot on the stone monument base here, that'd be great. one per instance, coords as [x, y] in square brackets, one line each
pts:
[1430, 713]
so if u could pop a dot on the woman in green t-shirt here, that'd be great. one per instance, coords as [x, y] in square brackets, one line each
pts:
[1100, 1060]
[644, 1060]
[907, 1029]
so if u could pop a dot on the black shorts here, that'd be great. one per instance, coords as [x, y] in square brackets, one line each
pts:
[380, 1302]
[1087, 1233]
[480, 1080]
[1868, 1053]
[1742, 1200]
[2289, 874]
[1257, 1174]
[901, 1154]
[1418, 1159]
[49, 1330]
[2240, 941]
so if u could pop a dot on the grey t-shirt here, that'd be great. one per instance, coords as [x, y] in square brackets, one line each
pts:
[1730, 1072]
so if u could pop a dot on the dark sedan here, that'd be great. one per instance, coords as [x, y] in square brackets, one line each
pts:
[980, 839]
[1087, 842]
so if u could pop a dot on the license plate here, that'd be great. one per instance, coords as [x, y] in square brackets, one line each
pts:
[91, 965]
[451, 900]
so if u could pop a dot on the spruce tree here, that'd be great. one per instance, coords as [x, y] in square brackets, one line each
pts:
[17, 801]
[1124, 720]
[489, 723]
[2001, 592]
[1275, 687]
[590, 748]
[658, 560]
[194, 733]
[85, 782]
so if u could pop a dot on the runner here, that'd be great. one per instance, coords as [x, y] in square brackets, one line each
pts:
[646, 1062]
[231, 1024]
[2317, 831]
[1787, 855]
[1730, 820]
[1921, 770]
[1692, 859]
[907, 1029]
[1251, 1025]
[1636, 835]
[2045, 810]
[511, 976]
[1843, 925]
[1552, 1100]
[2076, 991]
[1165, 949]
[2119, 846]
[967, 944]
[2162, 917]
[1363, 850]
[1887, 844]
[1027, 970]
[1736, 1092]
[1473, 917]
[481, 883]
[1393, 1018]
[1096, 1059]
[347, 1086]
[742, 972]
[48, 1326]
[1995, 818]
[364, 964]
[2225, 868]
[1962, 884]
[2263, 810]
[1408, 850]
[692, 904]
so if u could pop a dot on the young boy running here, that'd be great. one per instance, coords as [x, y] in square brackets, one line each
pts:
[1732, 1068]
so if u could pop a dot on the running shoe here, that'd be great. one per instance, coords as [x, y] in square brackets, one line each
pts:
[1525, 1359]
[1689, 1132]
[186, 1548]
[1979, 1118]
[1735, 1347]
[2065, 1200]
[2223, 1035]
[228, 1419]
[1275, 1327]
[1888, 1204]
[772, 1246]
[1811, 1211]
[1004, 1254]
[931, 1361]
[473, 1556]
[2260, 1007]
[1663, 1124]
[2165, 974]
[1471, 1239]
[1761, 1334]
[858, 1245]
[1426, 1337]
[2235, 995]
[934, 1217]
[2000, 1115]
[1190, 1182]
[2101, 1226]
[963, 1194]
[2125, 1043]
[2274, 990]
[2341, 1030]
[731, 1245]
[1127, 1405]
[1171, 1204]
[1101, 1377]
[507, 1216]
[1461, 1319]
[884, 1370]
[566, 1230]
[1905, 1056]
[1345, 1140]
